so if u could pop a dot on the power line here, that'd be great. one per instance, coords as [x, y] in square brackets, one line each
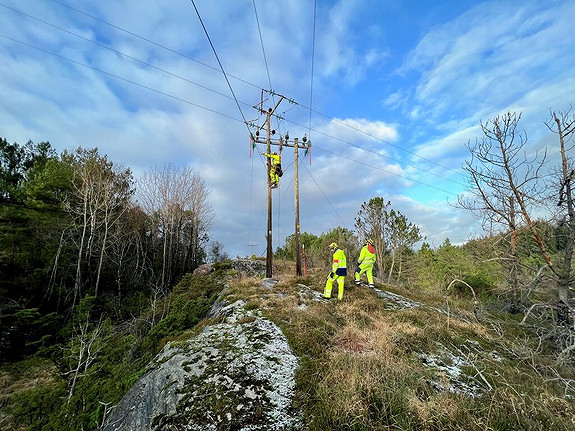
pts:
[120, 53]
[200, 106]
[258, 87]
[262, 43]
[119, 77]
[211, 110]
[384, 141]
[312, 65]
[383, 170]
[381, 155]
[227, 116]
[232, 92]
[220, 63]
[225, 95]
[324, 195]
[150, 41]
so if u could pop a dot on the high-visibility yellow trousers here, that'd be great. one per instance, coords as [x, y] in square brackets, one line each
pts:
[366, 268]
[340, 279]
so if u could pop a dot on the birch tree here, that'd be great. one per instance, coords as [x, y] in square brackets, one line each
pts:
[100, 194]
[176, 200]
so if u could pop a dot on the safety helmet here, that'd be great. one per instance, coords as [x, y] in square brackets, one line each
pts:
[333, 246]
[369, 241]
[274, 153]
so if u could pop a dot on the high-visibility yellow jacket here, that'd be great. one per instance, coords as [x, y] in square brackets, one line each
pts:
[339, 261]
[276, 160]
[366, 256]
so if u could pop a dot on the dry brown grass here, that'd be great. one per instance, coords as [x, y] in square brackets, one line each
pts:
[359, 368]
[28, 375]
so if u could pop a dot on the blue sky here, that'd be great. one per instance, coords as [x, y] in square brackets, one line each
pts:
[398, 89]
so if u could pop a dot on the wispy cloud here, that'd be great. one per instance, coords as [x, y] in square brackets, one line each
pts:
[397, 107]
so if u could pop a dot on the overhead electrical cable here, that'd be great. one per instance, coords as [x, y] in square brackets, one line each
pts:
[259, 87]
[383, 170]
[379, 154]
[262, 44]
[271, 92]
[324, 195]
[123, 54]
[312, 65]
[221, 66]
[119, 77]
[384, 141]
[151, 42]
[200, 106]
[203, 107]
[236, 99]
[250, 205]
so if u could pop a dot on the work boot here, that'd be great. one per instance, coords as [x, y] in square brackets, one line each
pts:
[371, 286]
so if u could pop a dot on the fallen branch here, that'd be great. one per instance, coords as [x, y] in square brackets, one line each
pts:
[535, 282]
[531, 309]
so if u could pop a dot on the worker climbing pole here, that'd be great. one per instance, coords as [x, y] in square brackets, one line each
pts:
[276, 168]
[274, 171]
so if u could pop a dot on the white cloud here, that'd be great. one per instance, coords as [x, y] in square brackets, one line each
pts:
[489, 55]
[449, 145]
[387, 131]
[347, 129]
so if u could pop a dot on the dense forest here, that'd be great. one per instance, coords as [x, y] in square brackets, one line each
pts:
[95, 266]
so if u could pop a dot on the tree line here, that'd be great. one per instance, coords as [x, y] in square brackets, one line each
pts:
[77, 225]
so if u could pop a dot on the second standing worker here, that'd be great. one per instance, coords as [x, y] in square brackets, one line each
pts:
[365, 263]
[338, 272]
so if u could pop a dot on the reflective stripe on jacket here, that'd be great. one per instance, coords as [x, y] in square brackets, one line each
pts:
[339, 260]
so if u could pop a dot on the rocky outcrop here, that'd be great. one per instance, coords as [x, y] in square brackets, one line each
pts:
[249, 267]
[236, 374]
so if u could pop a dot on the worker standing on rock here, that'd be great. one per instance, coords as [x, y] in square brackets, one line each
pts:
[338, 272]
[365, 263]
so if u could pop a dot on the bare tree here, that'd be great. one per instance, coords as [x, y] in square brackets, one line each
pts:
[503, 180]
[506, 186]
[563, 124]
[127, 251]
[176, 200]
[83, 350]
[100, 194]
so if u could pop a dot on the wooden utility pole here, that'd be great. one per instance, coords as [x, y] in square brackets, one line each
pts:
[296, 192]
[270, 252]
[269, 142]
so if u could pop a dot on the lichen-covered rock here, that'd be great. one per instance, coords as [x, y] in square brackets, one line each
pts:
[249, 267]
[204, 269]
[237, 374]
